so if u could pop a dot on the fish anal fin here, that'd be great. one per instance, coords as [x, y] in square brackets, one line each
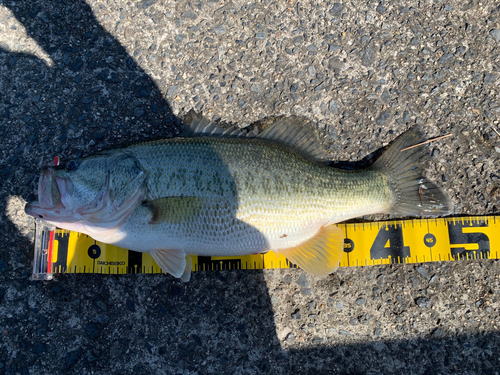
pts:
[172, 261]
[173, 209]
[319, 255]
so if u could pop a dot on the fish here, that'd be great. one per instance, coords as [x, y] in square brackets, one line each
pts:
[229, 192]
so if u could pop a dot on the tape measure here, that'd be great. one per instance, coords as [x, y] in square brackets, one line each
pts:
[366, 244]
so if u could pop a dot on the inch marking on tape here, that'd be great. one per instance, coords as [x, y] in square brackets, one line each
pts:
[365, 244]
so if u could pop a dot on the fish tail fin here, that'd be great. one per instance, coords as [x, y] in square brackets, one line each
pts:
[413, 194]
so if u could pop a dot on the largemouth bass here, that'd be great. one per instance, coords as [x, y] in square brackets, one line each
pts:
[219, 192]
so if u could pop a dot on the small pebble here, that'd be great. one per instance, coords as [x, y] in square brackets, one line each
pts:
[101, 318]
[298, 40]
[91, 330]
[306, 291]
[38, 348]
[423, 302]
[219, 30]
[446, 58]
[336, 10]
[258, 89]
[302, 281]
[189, 15]
[72, 357]
[342, 332]
[360, 301]
[495, 34]
[421, 270]
[172, 91]
[489, 78]
[333, 107]
[368, 56]
[383, 117]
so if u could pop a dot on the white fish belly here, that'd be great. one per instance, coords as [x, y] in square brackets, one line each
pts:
[214, 230]
[221, 229]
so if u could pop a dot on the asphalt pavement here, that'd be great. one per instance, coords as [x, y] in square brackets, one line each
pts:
[77, 77]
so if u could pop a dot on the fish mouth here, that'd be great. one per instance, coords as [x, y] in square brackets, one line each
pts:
[49, 195]
[32, 208]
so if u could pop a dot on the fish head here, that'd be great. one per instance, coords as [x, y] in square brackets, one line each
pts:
[65, 192]
[100, 189]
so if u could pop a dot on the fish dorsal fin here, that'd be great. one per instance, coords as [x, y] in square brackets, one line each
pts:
[319, 255]
[199, 126]
[299, 133]
[296, 132]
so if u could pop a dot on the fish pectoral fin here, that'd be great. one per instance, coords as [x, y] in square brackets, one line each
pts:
[319, 255]
[172, 261]
[173, 209]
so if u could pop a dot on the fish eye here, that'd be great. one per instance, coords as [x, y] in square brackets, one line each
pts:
[71, 166]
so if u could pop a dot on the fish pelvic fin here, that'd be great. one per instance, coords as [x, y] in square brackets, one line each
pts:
[174, 262]
[319, 255]
[186, 275]
[413, 194]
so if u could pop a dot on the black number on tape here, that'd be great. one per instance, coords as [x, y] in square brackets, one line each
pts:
[62, 257]
[134, 262]
[389, 242]
[348, 245]
[430, 240]
[458, 237]
[94, 251]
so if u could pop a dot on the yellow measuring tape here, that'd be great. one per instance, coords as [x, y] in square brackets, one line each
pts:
[366, 244]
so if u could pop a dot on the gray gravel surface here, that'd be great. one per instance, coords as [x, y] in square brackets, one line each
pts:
[77, 77]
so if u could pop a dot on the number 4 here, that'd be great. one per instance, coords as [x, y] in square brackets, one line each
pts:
[389, 243]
